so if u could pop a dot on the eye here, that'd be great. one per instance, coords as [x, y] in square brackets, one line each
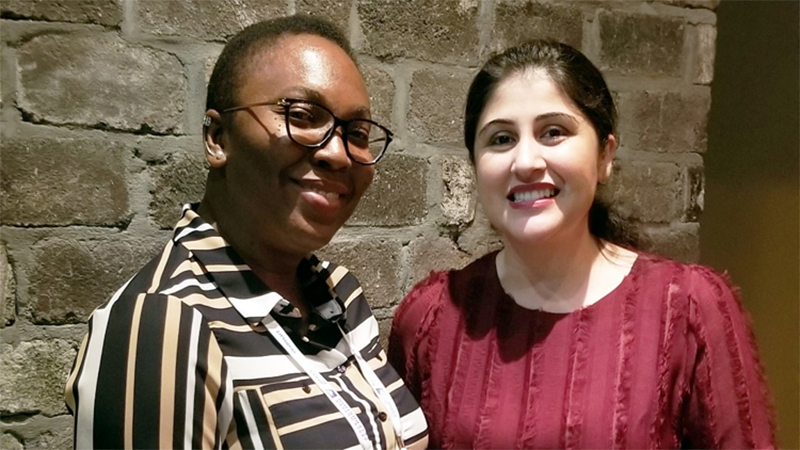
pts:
[501, 140]
[554, 134]
[307, 115]
[358, 133]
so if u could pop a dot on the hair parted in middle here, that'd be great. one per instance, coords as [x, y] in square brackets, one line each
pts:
[583, 84]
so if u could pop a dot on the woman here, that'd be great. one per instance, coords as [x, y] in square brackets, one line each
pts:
[566, 338]
[235, 335]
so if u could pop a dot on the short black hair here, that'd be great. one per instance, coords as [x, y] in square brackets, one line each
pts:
[240, 50]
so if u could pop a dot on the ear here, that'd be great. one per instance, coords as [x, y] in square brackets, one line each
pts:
[605, 163]
[212, 139]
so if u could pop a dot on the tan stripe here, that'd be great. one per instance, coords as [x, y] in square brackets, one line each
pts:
[212, 383]
[201, 299]
[187, 265]
[217, 325]
[185, 220]
[395, 386]
[285, 395]
[207, 243]
[276, 437]
[363, 387]
[169, 359]
[314, 421]
[336, 276]
[353, 296]
[227, 268]
[69, 395]
[232, 440]
[156, 280]
[131, 370]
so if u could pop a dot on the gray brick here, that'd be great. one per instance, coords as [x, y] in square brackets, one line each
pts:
[641, 44]
[337, 11]
[204, 19]
[436, 106]
[102, 12]
[707, 4]
[70, 279]
[648, 191]
[695, 195]
[63, 182]
[480, 238]
[519, 21]
[397, 195]
[9, 442]
[56, 438]
[705, 37]
[384, 329]
[7, 290]
[376, 264]
[180, 180]
[381, 94]
[665, 121]
[32, 376]
[458, 190]
[441, 31]
[678, 241]
[427, 255]
[101, 81]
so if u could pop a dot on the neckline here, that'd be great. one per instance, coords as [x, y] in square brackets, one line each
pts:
[623, 286]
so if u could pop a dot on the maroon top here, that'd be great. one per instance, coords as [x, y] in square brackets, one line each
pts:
[665, 360]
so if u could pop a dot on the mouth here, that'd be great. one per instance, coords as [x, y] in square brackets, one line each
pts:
[327, 194]
[532, 195]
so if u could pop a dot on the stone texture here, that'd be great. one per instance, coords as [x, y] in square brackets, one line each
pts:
[376, 264]
[397, 195]
[384, 329]
[641, 44]
[9, 442]
[707, 4]
[695, 194]
[672, 122]
[63, 182]
[704, 53]
[436, 106]
[678, 241]
[7, 290]
[337, 11]
[440, 31]
[180, 180]
[434, 254]
[102, 12]
[69, 279]
[647, 191]
[101, 81]
[458, 190]
[381, 90]
[32, 376]
[519, 21]
[480, 238]
[56, 438]
[204, 19]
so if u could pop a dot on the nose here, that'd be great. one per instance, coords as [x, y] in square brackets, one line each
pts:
[529, 160]
[333, 155]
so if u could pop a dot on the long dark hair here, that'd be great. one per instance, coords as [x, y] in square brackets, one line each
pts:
[582, 83]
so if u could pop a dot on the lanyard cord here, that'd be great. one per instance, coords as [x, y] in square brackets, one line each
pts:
[358, 428]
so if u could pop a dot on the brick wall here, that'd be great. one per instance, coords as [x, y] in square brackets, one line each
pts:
[101, 103]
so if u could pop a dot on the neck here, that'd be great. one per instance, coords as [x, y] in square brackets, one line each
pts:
[276, 269]
[561, 276]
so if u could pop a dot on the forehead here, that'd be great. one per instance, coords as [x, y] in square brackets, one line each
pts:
[295, 64]
[540, 93]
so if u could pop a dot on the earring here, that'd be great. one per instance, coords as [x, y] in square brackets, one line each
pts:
[206, 121]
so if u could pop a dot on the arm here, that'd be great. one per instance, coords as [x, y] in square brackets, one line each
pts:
[729, 404]
[149, 374]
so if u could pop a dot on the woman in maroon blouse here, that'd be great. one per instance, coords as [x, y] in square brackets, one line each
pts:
[566, 338]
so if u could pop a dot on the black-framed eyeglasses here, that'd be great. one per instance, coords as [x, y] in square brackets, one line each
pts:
[312, 126]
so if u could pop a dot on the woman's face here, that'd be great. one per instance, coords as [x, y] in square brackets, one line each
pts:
[538, 161]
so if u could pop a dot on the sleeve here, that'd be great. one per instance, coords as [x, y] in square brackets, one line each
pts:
[410, 324]
[149, 374]
[729, 404]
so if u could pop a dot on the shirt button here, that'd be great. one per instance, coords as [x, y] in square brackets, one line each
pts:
[382, 416]
[307, 389]
[342, 369]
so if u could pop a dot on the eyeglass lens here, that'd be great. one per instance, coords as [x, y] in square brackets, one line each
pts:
[310, 125]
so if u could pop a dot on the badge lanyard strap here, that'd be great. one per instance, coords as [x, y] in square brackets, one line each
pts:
[361, 433]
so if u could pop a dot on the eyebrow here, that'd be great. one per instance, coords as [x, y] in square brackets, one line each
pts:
[549, 115]
[304, 93]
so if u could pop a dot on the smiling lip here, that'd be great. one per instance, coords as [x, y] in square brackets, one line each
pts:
[532, 195]
[322, 193]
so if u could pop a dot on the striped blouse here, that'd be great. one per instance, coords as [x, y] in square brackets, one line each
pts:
[179, 357]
